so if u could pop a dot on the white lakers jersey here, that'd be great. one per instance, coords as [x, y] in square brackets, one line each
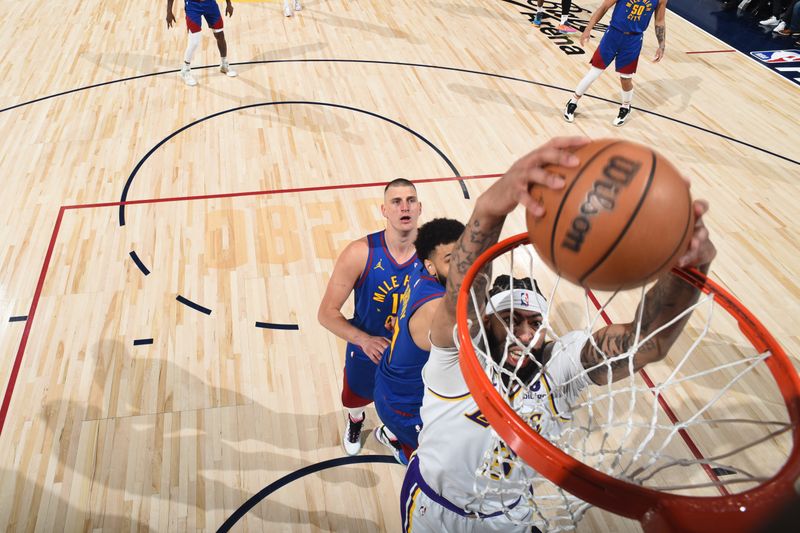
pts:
[456, 439]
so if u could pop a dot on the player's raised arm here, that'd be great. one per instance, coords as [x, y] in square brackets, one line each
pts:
[345, 274]
[594, 19]
[491, 209]
[665, 300]
[661, 29]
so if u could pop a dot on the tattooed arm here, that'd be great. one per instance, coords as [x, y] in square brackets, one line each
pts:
[664, 301]
[661, 29]
[491, 209]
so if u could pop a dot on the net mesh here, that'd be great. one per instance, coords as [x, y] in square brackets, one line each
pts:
[707, 420]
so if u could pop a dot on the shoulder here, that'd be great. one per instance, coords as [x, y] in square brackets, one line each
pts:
[570, 344]
[357, 248]
[354, 257]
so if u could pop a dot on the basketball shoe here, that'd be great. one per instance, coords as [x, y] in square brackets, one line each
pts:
[773, 20]
[297, 6]
[351, 440]
[186, 76]
[537, 20]
[566, 28]
[569, 111]
[287, 11]
[622, 116]
[393, 445]
[226, 69]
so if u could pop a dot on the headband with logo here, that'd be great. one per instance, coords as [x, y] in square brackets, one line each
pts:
[524, 299]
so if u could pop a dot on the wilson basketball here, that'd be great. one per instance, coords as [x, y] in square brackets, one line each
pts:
[623, 217]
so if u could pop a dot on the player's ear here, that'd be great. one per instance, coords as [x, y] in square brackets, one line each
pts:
[383, 210]
[430, 267]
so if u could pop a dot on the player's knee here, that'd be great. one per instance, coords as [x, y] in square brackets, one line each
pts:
[194, 41]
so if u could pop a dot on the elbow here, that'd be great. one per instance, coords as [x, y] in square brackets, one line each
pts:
[322, 316]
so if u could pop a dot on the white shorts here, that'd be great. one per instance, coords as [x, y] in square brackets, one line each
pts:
[424, 514]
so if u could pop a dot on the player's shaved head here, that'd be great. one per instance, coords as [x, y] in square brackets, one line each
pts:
[399, 182]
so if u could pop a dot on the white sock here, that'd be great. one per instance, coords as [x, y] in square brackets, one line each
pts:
[540, 9]
[356, 413]
[564, 19]
[627, 96]
[587, 80]
[224, 61]
[185, 67]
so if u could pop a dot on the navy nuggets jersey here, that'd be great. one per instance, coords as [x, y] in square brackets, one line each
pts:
[633, 16]
[378, 289]
[401, 370]
[398, 381]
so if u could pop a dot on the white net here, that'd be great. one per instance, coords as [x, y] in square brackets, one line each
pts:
[705, 421]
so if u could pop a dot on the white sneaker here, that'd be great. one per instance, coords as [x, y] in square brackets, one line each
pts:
[186, 76]
[769, 22]
[297, 6]
[226, 69]
[779, 28]
[569, 111]
[287, 9]
[382, 436]
[351, 440]
[622, 116]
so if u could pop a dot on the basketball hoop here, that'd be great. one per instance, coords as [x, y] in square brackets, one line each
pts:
[621, 487]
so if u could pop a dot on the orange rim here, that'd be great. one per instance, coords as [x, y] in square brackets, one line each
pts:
[657, 511]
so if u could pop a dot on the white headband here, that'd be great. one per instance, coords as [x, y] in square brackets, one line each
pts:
[524, 300]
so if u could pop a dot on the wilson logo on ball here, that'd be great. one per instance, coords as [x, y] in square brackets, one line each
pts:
[623, 217]
[618, 173]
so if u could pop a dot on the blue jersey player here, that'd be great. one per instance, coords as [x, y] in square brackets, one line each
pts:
[196, 11]
[376, 269]
[398, 380]
[622, 44]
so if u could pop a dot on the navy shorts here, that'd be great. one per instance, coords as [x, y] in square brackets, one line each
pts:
[208, 9]
[622, 48]
[359, 371]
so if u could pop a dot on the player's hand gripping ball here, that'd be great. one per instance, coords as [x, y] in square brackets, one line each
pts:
[623, 217]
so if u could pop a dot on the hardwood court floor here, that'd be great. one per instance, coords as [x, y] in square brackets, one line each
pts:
[102, 434]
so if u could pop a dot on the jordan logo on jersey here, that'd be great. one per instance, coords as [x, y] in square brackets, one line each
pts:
[379, 265]
[636, 8]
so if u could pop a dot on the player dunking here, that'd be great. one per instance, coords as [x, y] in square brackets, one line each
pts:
[398, 380]
[566, 5]
[196, 10]
[376, 268]
[621, 43]
[458, 456]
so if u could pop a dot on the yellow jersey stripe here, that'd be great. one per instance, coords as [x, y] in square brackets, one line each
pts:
[449, 398]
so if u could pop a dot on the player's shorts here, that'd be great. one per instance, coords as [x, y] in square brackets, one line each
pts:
[208, 9]
[622, 48]
[359, 371]
[402, 420]
[425, 511]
